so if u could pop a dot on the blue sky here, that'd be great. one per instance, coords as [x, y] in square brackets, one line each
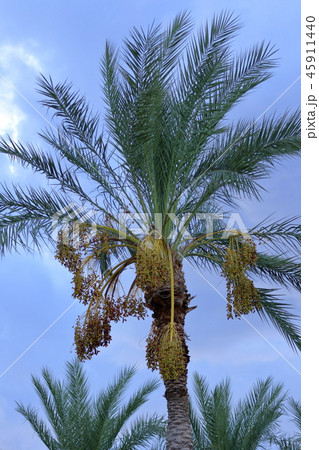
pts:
[66, 40]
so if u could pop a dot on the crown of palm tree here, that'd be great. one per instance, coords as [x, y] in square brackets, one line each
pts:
[78, 421]
[252, 423]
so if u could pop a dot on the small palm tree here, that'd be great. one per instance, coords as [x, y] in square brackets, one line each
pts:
[167, 154]
[79, 422]
[252, 424]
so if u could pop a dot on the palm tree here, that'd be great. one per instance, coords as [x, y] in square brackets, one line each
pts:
[79, 422]
[164, 155]
[252, 424]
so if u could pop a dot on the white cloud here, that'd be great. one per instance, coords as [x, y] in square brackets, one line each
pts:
[14, 60]
[11, 119]
[11, 54]
[11, 114]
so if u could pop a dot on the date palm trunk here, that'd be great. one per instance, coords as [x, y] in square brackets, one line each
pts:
[179, 432]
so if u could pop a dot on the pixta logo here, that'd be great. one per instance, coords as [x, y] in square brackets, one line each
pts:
[69, 219]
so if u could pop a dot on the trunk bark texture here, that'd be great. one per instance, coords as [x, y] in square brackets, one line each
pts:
[179, 432]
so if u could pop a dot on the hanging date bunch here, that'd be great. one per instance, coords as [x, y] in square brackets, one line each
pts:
[93, 329]
[242, 295]
[152, 264]
[164, 351]
[94, 289]
[78, 254]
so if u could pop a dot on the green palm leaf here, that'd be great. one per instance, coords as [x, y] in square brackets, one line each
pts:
[279, 314]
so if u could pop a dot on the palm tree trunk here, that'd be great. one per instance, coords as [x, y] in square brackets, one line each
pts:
[179, 432]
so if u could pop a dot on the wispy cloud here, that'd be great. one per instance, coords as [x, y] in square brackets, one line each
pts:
[10, 55]
[11, 115]
[14, 60]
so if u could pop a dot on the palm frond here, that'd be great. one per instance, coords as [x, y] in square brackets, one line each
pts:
[142, 432]
[283, 441]
[142, 57]
[39, 426]
[206, 59]
[79, 410]
[279, 236]
[245, 72]
[29, 216]
[26, 216]
[134, 403]
[78, 139]
[31, 157]
[257, 415]
[278, 314]
[67, 147]
[253, 148]
[54, 402]
[214, 413]
[174, 42]
[241, 156]
[38, 201]
[107, 404]
[117, 114]
[199, 437]
[239, 76]
[278, 269]
[295, 409]
[77, 119]
[108, 426]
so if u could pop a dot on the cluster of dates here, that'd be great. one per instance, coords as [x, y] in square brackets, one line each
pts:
[152, 264]
[164, 351]
[93, 329]
[242, 295]
[92, 288]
